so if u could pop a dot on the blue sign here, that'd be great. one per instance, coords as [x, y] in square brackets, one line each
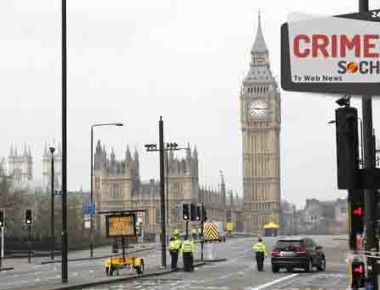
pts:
[89, 209]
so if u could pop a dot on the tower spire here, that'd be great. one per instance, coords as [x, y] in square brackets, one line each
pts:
[259, 45]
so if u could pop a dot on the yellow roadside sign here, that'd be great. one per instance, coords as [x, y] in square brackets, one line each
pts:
[210, 231]
[121, 225]
[230, 227]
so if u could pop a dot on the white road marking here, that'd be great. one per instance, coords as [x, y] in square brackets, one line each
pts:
[274, 282]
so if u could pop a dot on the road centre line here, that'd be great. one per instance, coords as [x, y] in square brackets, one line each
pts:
[274, 282]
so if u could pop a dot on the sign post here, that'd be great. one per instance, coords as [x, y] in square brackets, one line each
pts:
[121, 225]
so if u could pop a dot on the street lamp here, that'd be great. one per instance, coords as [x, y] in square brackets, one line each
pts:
[52, 149]
[153, 148]
[92, 177]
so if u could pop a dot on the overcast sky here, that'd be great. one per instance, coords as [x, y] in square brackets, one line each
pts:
[131, 61]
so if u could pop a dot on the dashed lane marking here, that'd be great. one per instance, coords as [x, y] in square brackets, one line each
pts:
[274, 282]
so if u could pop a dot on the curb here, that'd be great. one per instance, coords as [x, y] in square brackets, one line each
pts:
[94, 258]
[6, 269]
[121, 279]
[215, 260]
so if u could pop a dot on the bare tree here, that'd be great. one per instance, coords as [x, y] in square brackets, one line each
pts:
[12, 202]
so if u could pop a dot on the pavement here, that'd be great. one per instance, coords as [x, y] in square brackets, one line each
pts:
[239, 271]
[24, 275]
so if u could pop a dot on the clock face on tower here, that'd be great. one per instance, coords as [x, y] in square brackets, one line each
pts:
[258, 108]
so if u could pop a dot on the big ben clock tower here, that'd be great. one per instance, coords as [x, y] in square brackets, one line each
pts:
[260, 115]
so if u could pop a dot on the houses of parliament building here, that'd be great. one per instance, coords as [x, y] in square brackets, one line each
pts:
[117, 186]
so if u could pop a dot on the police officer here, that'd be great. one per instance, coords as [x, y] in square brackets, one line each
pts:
[174, 247]
[187, 250]
[261, 251]
[107, 265]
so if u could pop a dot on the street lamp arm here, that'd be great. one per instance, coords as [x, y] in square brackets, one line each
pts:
[171, 149]
[107, 124]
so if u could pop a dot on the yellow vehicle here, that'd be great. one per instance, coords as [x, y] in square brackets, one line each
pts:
[116, 263]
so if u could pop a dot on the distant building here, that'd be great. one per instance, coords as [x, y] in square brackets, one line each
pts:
[46, 168]
[20, 165]
[325, 216]
[288, 218]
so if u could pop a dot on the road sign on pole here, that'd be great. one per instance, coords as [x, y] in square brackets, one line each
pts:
[87, 224]
[89, 209]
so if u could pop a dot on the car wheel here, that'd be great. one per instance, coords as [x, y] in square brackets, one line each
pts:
[275, 268]
[322, 265]
[309, 266]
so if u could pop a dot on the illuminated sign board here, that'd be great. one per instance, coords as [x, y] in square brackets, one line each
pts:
[123, 225]
[337, 54]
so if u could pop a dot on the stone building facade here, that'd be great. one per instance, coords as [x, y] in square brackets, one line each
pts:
[117, 186]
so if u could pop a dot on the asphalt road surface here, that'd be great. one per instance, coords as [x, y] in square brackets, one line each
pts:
[239, 271]
[30, 274]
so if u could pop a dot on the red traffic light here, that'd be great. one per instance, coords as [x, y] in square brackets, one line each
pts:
[358, 211]
[358, 269]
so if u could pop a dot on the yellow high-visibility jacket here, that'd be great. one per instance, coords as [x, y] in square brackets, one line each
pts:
[260, 248]
[188, 246]
[175, 245]
[107, 263]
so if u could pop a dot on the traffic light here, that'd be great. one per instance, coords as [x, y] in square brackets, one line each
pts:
[356, 222]
[28, 217]
[199, 212]
[193, 212]
[2, 219]
[204, 213]
[185, 211]
[347, 147]
[357, 275]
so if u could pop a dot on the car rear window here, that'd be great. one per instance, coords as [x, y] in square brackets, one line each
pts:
[288, 244]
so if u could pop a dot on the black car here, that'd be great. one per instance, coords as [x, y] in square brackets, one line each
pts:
[298, 253]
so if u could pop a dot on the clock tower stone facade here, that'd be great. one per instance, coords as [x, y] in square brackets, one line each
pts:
[260, 115]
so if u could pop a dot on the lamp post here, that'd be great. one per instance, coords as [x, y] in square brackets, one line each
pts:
[167, 192]
[64, 263]
[91, 181]
[52, 149]
[161, 149]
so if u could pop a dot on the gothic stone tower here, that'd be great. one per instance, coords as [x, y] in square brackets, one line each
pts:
[46, 168]
[115, 181]
[181, 184]
[20, 166]
[260, 122]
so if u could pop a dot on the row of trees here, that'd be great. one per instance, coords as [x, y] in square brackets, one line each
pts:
[14, 200]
